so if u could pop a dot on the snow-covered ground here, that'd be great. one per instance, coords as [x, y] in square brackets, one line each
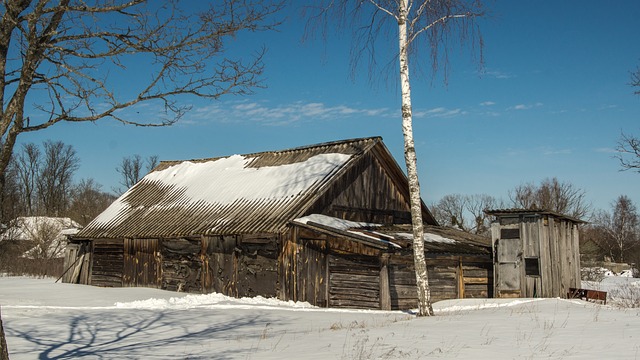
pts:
[47, 320]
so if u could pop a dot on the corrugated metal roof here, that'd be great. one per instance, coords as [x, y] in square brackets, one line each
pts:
[518, 211]
[437, 239]
[250, 193]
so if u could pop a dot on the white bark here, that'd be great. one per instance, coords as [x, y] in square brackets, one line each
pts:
[422, 281]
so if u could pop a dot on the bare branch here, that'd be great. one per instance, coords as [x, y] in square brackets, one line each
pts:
[69, 51]
[628, 152]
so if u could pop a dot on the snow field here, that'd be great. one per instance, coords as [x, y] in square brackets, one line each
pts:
[45, 320]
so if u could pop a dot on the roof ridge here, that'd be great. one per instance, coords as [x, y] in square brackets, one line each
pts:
[375, 139]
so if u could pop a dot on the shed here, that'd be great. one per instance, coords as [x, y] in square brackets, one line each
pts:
[536, 253]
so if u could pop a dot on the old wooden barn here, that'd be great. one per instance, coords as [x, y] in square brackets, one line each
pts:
[229, 225]
[536, 253]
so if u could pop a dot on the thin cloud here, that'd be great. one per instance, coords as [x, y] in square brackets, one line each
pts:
[439, 112]
[551, 151]
[283, 114]
[487, 103]
[526, 106]
[497, 74]
[606, 150]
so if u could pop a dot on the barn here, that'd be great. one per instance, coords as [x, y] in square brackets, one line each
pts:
[238, 225]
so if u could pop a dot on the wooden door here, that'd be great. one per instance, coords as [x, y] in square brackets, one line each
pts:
[508, 269]
[141, 263]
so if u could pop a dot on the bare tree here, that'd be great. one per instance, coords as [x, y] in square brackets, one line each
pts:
[635, 80]
[133, 168]
[45, 234]
[465, 212]
[56, 58]
[88, 201]
[27, 165]
[56, 177]
[628, 152]
[476, 206]
[433, 21]
[552, 195]
[11, 197]
[621, 228]
[450, 211]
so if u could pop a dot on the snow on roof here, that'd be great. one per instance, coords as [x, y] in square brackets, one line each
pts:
[428, 237]
[333, 222]
[227, 181]
[218, 181]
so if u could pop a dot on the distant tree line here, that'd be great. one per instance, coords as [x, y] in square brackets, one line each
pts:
[40, 182]
[612, 234]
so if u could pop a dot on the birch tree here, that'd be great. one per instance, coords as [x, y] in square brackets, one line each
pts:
[58, 58]
[438, 23]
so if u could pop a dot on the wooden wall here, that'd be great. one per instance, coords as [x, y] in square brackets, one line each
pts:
[553, 241]
[181, 263]
[304, 270]
[451, 276]
[239, 265]
[365, 193]
[354, 281]
[141, 263]
[77, 263]
[107, 262]
[329, 271]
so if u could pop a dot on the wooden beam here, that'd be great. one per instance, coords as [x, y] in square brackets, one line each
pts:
[385, 293]
[345, 234]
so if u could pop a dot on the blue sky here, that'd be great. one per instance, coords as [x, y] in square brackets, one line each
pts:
[552, 101]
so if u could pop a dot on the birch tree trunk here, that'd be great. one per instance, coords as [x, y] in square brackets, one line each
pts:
[4, 351]
[422, 281]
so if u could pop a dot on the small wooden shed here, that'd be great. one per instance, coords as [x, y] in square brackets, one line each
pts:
[536, 253]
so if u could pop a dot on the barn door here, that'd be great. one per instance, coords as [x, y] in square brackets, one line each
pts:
[141, 263]
[508, 267]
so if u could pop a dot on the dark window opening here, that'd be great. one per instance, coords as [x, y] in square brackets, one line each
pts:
[510, 233]
[532, 266]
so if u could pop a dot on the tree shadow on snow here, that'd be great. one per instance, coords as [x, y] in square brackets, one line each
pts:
[144, 334]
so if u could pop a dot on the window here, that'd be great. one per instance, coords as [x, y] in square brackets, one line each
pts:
[532, 266]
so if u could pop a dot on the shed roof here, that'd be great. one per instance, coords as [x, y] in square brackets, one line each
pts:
[517, 211]
[437, 239]
[258, 192]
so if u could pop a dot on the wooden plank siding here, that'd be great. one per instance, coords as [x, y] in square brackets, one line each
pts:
[107, 263]
[357, 276]
[77, 263]
[368, 191]
[354, 282]
[141, 263]
[549, 242]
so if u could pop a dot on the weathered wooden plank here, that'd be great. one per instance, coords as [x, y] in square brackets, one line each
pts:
[475, 280]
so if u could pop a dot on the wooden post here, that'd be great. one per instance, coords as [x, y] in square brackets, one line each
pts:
[385, 293]
[4, 351]
[460, 279]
